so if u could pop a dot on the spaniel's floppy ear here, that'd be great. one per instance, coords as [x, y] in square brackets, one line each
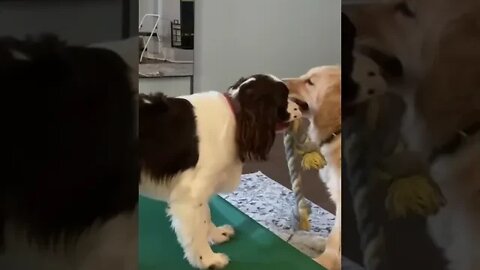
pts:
[157, 102]
[256, 126]
[237, 84]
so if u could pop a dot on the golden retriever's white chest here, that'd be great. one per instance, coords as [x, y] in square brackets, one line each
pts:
[331, 173]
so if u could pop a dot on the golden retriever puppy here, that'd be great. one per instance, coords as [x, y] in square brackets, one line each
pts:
[437, 44]
[319, 88]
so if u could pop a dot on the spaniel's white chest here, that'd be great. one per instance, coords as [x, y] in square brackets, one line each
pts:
[229, 179]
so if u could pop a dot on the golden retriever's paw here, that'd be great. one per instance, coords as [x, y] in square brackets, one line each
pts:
[214, 261]
[329, 260]
[221, 234]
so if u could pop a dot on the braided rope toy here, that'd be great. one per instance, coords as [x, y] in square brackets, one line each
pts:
[380, 194]
[298, 145]
[411, 194]
[367, 197]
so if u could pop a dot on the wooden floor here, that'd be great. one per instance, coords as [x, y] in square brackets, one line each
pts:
[276, 169]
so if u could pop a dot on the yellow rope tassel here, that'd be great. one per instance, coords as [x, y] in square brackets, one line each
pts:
[413, 195]
[313, 161]
[304, 223]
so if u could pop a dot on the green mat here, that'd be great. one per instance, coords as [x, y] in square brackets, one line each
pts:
[253, 246]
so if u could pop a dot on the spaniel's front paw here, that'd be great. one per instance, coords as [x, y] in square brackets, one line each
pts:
[218, 235]
[213, 261]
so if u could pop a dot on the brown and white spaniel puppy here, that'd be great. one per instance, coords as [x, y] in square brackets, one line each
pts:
[193, 147]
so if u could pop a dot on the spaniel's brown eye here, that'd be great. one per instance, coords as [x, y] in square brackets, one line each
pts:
[309, 82]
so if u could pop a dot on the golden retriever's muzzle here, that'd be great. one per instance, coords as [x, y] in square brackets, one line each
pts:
[295, 93]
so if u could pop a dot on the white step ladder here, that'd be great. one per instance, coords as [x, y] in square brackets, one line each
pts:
[154, 29]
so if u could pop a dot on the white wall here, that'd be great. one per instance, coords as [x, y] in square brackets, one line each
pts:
[170, 9]
[145, 7]
[236, 38]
